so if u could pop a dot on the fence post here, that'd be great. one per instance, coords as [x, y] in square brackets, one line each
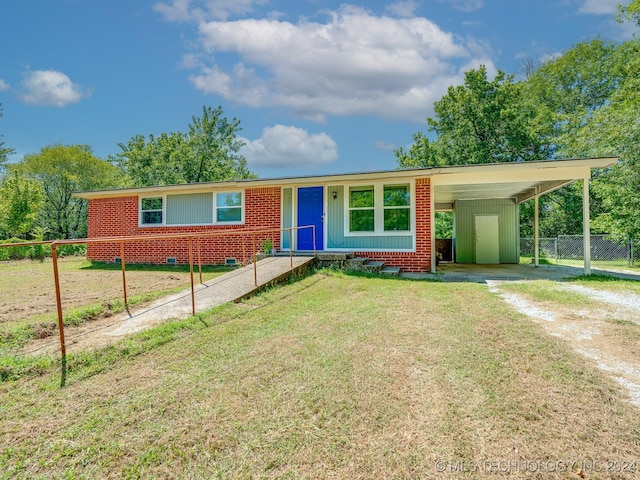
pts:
[255, 259]
[193, 294]
[199, 259]
[63, 348]
[555, 249]
[244, 254]
[313, 230]
[124, 276]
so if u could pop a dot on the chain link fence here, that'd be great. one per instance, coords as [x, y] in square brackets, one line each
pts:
[604, 248]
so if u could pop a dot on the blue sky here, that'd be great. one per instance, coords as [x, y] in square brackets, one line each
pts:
[318, 86]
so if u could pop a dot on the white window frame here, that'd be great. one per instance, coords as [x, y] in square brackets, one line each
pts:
[164, 211]
[397, 207]
[215, 207]
[379, 208]
[361, 209]
[214, 214]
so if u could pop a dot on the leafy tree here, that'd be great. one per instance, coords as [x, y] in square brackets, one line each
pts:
[21, 199]
[630, 12]
[4, 151]
[569, 92]
[62, 170]
[480, 121]
[569, 89]
[614, 130]
[208, 152]
[422, 153]
[444, 224]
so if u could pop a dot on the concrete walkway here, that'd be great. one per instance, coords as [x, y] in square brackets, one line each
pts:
[230, 287]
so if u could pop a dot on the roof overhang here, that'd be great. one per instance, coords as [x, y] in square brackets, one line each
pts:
[516, 181]
[519, 180]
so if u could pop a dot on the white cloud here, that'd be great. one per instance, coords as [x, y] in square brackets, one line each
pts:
[404, 8]
[466, 5]
[284, 146]
[609, 26]
[385, 146]
[51, 88]
[599, 7]
[354, 64]
[185, 10]
[3, 85]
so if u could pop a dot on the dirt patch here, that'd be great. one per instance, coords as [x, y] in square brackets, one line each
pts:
[28, 287]
[607, 334]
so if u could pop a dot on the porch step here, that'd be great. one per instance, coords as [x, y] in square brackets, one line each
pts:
[334, 256]
[356, 263]
[391, 271]
[349, 261]
[373, 266]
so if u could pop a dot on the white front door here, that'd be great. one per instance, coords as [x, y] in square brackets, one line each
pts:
[487, 239]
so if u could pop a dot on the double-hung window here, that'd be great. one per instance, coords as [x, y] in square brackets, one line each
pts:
[361, 209]
[378, 209]
[151, 211]
[228, 207]
[397, 208]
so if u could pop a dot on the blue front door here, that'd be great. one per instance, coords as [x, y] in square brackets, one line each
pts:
[310, 211]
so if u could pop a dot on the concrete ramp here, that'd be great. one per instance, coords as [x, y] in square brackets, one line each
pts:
[230, 287]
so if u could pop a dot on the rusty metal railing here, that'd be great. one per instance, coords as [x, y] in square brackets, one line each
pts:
[138, 238]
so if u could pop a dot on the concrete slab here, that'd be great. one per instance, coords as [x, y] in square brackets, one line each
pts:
[469, 272]
[230, 287]
[465, 272]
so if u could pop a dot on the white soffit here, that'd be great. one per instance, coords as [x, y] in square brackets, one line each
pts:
[518, 191]
[519, 182]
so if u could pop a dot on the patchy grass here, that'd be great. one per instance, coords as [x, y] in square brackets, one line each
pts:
[547, 292]
[333, 376]
[606, 282]
[28, 289]
[89, 291]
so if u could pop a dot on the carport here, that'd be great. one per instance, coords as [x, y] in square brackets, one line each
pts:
[490, 193]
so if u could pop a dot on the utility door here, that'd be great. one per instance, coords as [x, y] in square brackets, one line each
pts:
[487, 239]
[310, 212]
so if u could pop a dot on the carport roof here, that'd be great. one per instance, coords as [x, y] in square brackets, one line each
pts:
[517, 180]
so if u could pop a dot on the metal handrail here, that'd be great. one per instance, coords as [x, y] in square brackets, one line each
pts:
[134, 238]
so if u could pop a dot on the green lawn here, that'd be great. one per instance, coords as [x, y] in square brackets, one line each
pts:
[332, 376]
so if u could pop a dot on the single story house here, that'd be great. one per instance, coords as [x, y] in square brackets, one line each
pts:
[382, 215]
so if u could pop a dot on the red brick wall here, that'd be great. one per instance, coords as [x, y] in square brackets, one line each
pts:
[119, 217]
[420, 260]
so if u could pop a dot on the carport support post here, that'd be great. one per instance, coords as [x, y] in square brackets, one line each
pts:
[586, 230]
[536, 230]
[432, 223]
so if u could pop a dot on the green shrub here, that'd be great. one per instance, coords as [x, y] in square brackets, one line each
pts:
[72, 249]
[38, 252]
[14, 253]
